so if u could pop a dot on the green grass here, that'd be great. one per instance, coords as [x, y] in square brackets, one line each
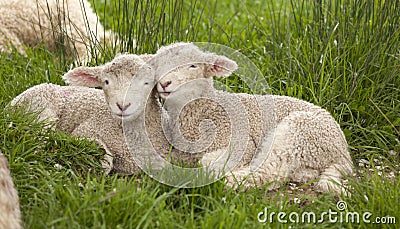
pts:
[342, 55]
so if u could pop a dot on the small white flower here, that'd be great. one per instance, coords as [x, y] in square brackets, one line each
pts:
[114, 190]
[58, 166]
[296, 200]
[392, 152]
[224, 199]
[335, 42]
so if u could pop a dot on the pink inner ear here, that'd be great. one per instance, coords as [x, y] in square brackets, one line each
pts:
[216, 68]
[86, 76]
[86, 79]
[219, 66]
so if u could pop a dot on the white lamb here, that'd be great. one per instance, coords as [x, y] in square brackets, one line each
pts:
[10, 216]
[70, 23]
[82, 111]
[287, 139]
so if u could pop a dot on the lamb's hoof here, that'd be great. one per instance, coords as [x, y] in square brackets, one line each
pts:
[107, 163]
[334, 187]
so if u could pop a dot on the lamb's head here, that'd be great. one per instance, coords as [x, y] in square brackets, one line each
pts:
[183, 70]
[126, 81]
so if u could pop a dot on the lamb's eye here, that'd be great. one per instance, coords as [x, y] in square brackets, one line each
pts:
[146, 83]
[193, 66]
[106, 82]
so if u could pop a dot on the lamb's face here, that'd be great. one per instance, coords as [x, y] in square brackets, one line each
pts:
[192, 81]
[139, 91]
[185, 72]
[185, 80]
[127, 82]
[125, 90]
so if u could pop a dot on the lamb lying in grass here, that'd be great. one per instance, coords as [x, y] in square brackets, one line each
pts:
[10, 216]
[82, 111]
[288, 139]
[70, 23]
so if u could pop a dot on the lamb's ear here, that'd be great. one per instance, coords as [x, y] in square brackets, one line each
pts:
[220, 66]
[83, 76]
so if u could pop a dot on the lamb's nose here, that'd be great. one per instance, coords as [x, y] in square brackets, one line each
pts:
[166, 84]
[123, 108]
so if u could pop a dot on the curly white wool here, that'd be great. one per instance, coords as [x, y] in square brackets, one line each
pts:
[10, 215]
[71, 23]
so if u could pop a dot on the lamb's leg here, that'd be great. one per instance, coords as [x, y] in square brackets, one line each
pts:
[269, 166]
[48, 115]
[305, 146]
[322, 154]
[107, 162]
[273, 171]
[331, 178]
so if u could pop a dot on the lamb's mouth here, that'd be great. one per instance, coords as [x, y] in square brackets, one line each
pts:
[123, 116]
[165, 93]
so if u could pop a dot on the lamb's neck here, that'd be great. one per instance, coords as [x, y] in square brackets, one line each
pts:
[153, 108]
[139, 144]
[207, 100]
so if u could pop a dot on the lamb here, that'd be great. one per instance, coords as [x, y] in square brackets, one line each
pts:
[71, 23]
[82, 111]
[134, 101]
[274, 138]
[10, 216]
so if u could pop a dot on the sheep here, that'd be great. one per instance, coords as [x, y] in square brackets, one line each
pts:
[284, 138]
[80, 112]
[134, 101]
[83, 112]
[10, 216]
[71, 23]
